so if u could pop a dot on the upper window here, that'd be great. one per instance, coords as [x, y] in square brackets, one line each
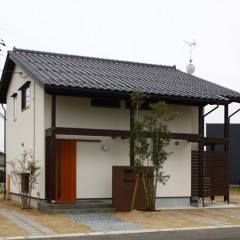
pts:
[14, 96]
[25, 89]
[103, 102]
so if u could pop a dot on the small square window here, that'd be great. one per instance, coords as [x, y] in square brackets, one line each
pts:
[25, 89]
[14, 96]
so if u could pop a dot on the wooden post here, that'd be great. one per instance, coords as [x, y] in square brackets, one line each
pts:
[201, 158]
[53, 149]
[8, 187]
[132, 118]
[226, 145]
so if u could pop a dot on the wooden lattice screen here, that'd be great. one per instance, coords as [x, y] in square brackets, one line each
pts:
[216, 174]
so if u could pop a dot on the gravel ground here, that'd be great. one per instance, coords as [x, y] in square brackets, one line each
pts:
[164, 219]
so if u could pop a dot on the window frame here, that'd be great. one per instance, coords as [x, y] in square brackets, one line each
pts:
[14, 96]
[25, 95]
[104, 102]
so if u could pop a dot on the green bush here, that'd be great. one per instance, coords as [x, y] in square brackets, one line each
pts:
[235, 188]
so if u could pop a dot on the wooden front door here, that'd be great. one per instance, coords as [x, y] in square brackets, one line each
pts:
[65, 171]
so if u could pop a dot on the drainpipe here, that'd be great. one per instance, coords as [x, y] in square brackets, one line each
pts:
[4, 147]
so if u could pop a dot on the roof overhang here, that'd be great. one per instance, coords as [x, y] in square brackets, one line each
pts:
[6, 78]
[71, 91]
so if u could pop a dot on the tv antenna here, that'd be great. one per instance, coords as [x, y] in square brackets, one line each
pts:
[190, 67]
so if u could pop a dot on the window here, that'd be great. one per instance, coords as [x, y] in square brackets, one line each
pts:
[25, 89]
[103, 102]
[14, 96]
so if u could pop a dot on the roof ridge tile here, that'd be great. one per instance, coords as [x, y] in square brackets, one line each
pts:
[92, 58]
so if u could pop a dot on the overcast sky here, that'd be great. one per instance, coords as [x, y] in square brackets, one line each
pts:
[149, 31]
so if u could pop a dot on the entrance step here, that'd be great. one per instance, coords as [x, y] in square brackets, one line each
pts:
[75, 208]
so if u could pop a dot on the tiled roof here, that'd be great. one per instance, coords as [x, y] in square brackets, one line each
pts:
[69, 71]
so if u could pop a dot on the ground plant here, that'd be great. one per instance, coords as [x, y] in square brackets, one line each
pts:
[149, 137]
[24, 173]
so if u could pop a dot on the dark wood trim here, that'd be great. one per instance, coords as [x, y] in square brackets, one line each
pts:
[226, 145]
[186, 136]
[214, 140]
[226, 128]
[91, 132]
[53, 147]
[132, 120]
[116, 133]
[201, 153]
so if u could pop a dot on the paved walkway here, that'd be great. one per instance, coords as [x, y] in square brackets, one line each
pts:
[100, 222]
[27, 224]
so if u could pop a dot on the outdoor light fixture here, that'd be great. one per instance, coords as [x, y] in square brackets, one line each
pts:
[105, 148]
[177, 143]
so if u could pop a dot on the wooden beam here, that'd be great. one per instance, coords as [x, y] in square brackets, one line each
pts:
[117, 133]
[92, 132]
[186, 136]
[214, 140]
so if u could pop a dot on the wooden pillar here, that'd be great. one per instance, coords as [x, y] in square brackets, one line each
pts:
[226, 128]
[132, 119]
[53, 148]
[201, 156]
[226, 145]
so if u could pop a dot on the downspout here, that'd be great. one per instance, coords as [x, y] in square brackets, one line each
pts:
[4, 147]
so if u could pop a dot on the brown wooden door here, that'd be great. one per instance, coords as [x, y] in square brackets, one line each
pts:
[65, 171]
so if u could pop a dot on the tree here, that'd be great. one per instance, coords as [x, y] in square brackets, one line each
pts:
[24, 174]
[150, 136]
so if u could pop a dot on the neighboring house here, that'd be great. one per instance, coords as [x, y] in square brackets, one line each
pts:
[1, 160]
[217, 130]
[2, 167]
[75, 113]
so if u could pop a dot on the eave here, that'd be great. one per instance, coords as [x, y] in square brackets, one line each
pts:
[71, 91]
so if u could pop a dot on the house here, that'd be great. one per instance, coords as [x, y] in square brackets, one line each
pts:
[217, 130]
[75, 113]
[1, 160]
[2, 168]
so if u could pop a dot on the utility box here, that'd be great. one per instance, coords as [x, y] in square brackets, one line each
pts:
[123, 185]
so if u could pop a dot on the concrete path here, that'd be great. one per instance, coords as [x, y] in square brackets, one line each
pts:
[202, 219]
[27, 224]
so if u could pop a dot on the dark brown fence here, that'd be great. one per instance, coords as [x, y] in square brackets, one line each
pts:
[123, 185]
[216, 174]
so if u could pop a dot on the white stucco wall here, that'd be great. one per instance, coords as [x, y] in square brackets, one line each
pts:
[178, 166]
[94, 166]
[76, 112]
[26, 131]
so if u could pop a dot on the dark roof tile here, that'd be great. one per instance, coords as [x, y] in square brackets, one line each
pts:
[60, 70]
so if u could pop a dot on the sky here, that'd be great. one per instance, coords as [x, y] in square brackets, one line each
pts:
[148, 31]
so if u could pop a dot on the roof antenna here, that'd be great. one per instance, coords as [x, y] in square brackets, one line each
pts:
[190, 67]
